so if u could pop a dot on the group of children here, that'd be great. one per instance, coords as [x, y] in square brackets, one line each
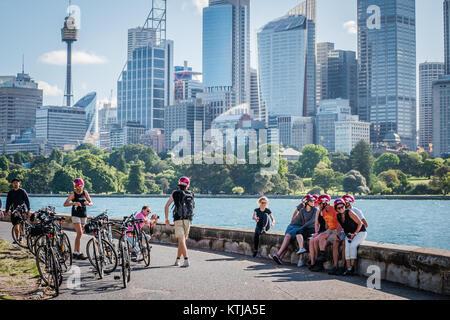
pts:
[322, 224]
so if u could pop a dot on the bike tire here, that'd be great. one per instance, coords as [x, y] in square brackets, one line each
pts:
[42, 265]
[14, 237]
[98, 262]
[56, 272]
[145, 249]
[123, 262]
[110, 257]
[65, 251]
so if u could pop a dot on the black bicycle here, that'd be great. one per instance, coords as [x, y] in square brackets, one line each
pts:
[48, 256]
[124, 252]
[20, 213]
[100, 251]
[139, 241]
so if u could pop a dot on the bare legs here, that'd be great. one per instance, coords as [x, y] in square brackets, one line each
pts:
[79, 229]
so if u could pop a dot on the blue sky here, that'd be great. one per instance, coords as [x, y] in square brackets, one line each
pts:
[32, 28]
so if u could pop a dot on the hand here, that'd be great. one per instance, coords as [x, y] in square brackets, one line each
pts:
[314, 235]
[273, 223]
[167, 223]
[76, 204]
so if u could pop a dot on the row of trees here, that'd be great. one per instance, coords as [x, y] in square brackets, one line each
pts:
[136, 169]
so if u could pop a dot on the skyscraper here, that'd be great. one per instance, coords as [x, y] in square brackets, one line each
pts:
[19, 100]
[387, 68]
[428, 72]
[441, 116]
[447, 35]
[139, 37]
[255, 108]
[187, 83]
[308, 9]
[226, 52]
[282, 49]
[342, 77]
[322, 50]
[89, 104]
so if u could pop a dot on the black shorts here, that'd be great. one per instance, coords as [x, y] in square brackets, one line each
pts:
[306, 232]
[15, 219]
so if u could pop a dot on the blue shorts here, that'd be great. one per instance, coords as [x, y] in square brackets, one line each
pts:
[292, 230]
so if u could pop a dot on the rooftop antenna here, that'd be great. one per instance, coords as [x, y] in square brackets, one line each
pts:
[23, 63]
[69, 34]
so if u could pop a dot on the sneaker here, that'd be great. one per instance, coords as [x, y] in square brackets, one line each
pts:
[186, 263]
[276, 258]
[321, 257]
[317, 267]
[177, 263]
[301, 263]
[340, 271]
[75, 256]
[133, 257]
[82, 257]
[302, 250]
[333, 271]
[348, 272]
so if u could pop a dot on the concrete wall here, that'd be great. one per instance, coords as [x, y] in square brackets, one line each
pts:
[416, 267]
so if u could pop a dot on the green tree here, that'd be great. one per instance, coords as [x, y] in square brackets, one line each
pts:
[4, 186]
[390, 178]
[4, 163]
[385, 162]
[63, 180]
[362, 160]
[90, 148]
[429, 166]
[57, 156]
[354, 182]
[410, 163]
[324, 178]
[340, 161]
[262, 184]
[136, 181]
[238, 190]
[311, 156]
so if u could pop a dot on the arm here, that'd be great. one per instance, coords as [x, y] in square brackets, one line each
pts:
[88, 198]
[254, 216]
[166, 210]
[295, 214]
[357, 220]
[273, 220]
[68, 202]
[316, 222]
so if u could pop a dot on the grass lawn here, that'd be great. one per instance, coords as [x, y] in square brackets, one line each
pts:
[19, 276]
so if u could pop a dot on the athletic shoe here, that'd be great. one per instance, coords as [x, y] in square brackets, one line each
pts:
[301, 263]
[317, 267]
[349, 272]
[340, 271]
[302, 250]
[133, 257]
[333, 271]
[177, 263]
[321, 257]
[186, 263]
[82, 257]
[276, 258]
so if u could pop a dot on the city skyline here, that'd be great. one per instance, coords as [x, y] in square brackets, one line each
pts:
[101, 52]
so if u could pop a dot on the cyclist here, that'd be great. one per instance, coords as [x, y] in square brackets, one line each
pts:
[16, 197]
[182, 216]
[78, 200]
[261, 216]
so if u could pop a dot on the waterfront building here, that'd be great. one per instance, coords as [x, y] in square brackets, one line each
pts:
[153, 138]
[296, 131]
[61, 127]
[349, 132]
[428, 72]
[226, 53]
[441, 117]
[145, 86]
[387, 68]
[19, 100]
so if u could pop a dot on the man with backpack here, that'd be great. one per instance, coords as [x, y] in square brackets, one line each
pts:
[183, 212]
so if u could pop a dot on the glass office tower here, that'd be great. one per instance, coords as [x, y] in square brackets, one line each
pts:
[447, 35]
[387, 68]
[146, 85]
[282, 47]
[226, 51]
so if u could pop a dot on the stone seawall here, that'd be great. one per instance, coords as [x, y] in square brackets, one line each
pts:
[422, 268]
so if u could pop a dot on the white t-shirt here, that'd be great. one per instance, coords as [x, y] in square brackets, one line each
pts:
[358, 213]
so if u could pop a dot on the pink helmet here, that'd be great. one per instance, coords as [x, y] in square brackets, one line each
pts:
[308, 197]
[324, 198]
[78, 182]
[184, 181]
[348, 198]
[338, 201]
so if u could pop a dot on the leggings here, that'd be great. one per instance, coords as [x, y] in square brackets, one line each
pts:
[351, 248]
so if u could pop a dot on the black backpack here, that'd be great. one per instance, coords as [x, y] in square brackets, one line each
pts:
[183, 205]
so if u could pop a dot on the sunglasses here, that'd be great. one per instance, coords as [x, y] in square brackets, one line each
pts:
[149, 211]
[340, 207]
[263, 202]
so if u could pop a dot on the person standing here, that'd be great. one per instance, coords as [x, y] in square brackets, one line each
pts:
[183, 213]
[261, 216]
[16, 197]
[79, 199]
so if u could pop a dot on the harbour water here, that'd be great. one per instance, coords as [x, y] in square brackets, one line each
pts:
[424, 223]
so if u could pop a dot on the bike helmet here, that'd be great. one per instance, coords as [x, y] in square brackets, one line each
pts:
[78, 182]
[337, 202]
[184, 181]
[324, 198]
[308, 197]
[348, 198]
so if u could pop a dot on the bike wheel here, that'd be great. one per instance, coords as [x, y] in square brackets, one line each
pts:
[65, 252]
[123, 262]
[19, 240]
[56, 271]
[109, 257]
[98, 258]
[44, 265]
[144, 245]
[37, 242]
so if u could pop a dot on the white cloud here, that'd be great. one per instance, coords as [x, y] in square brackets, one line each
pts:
[351, 27]
[59, 58]
[200, 4]
[49, 90]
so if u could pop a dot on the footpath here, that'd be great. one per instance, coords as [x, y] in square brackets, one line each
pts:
[225, 276]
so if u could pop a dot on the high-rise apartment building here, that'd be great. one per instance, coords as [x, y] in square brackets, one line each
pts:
[387, 68]
[428, 72]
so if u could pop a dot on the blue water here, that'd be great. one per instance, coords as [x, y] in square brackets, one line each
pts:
[424, 223]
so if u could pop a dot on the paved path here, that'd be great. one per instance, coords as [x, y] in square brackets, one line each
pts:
[225, 276]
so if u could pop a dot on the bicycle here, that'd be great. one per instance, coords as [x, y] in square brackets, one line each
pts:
[48, 257]
[139, 241]
[24, 226]
[100, 251]
[124, 252]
